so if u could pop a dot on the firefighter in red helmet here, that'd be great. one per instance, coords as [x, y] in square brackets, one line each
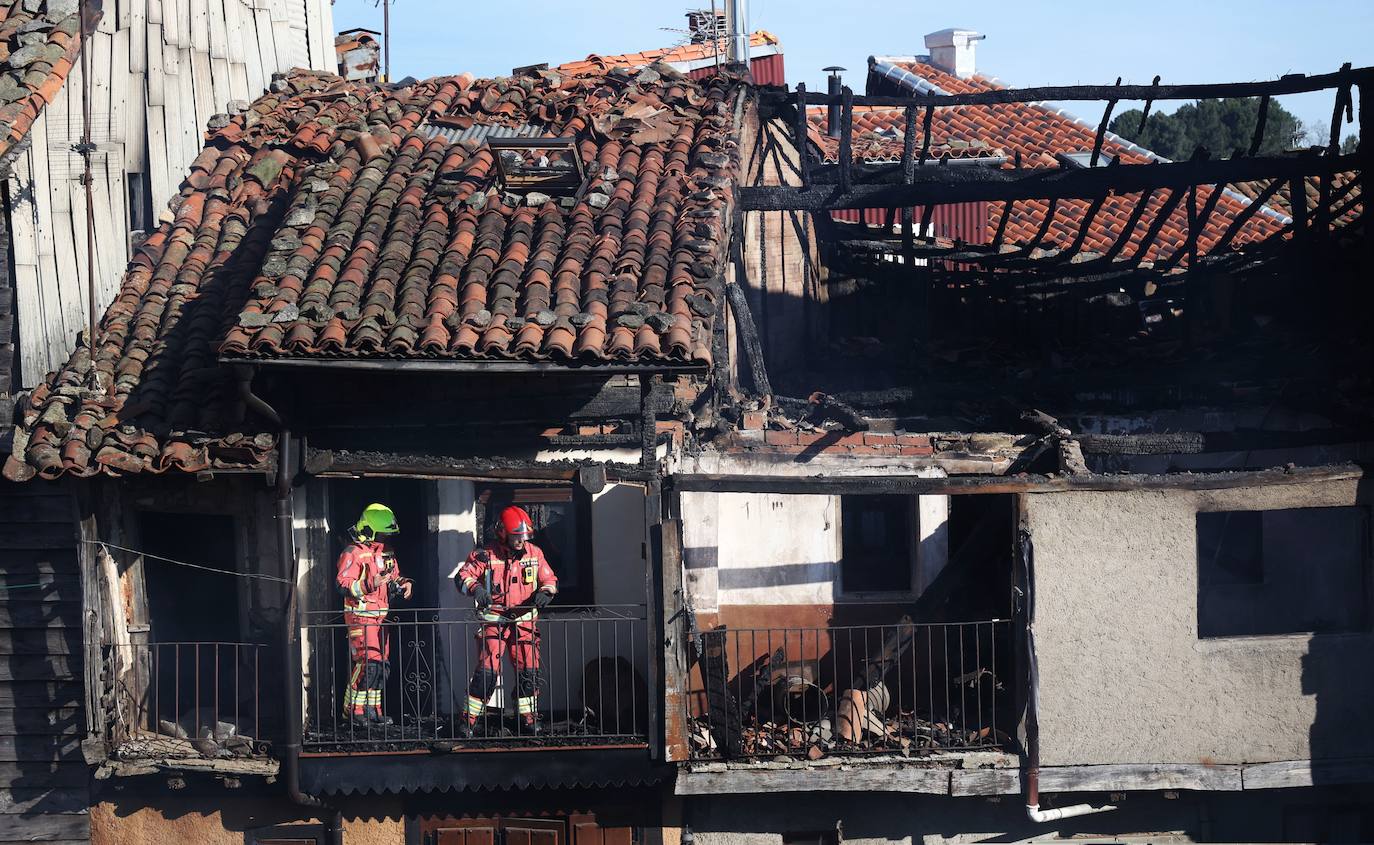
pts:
[510, 580]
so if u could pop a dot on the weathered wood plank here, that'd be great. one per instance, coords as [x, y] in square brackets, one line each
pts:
[38, 668]
[30, 721]
[26, 799]
[966, 782]
[41, 749]
[40, 693]
[37, 562]
[17, 507]
[41, 642]
[45, 827]
[1112, 778]
[1295, 773]
[36, 775]
[871, 779]
[60, 614]
[36, 536]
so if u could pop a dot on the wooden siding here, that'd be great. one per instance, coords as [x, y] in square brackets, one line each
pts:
[159, 69]
[43, 776]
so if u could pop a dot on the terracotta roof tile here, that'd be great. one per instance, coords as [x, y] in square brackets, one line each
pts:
[324, 222]
[37, 51]
[680, 54]
[1037, 132]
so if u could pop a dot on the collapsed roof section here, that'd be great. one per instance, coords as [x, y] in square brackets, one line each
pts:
[325, 222]
[1036, 135]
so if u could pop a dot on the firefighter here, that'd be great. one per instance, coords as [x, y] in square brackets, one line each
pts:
[510, 580]
[370, 580]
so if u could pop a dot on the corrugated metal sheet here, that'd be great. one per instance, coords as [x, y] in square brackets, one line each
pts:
[963, 221]
[479, 132]
[767, 70]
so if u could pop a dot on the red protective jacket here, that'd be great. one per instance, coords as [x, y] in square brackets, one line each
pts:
[515, 576]
[365, 572]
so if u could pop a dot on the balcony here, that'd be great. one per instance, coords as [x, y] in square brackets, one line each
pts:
[190, 706]
[906, 689]
[591, 683]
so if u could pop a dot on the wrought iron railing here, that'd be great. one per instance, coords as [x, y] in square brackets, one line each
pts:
[906, 688]
[185, 699]
[590, 685]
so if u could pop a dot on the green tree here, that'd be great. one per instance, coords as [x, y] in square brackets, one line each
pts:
[1219, 126]
[1349, 145]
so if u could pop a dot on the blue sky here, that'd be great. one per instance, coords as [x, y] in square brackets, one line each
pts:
[1030, 42]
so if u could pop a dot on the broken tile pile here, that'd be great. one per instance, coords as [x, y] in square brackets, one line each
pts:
[39, 43]
[319, 222]
[1037, 132]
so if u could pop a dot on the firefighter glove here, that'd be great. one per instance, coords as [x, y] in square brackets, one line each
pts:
[542, 598]
[481, 596]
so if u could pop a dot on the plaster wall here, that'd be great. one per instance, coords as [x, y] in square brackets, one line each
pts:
[768, 549]
[910, 819]
[1124, 677]
[228, 820]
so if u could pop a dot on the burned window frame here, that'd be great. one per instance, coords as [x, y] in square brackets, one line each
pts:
[911, 508]
[525, 183]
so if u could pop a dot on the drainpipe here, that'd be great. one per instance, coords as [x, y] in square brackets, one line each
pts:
[1033, 811]
[286, 551]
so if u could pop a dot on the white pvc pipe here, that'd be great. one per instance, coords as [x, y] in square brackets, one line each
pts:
[1038, 815]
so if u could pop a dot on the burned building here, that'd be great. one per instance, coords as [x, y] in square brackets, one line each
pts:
[962, 488]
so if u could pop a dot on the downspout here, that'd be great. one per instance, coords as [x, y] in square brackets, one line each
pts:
[291, 663]
[1033, 811]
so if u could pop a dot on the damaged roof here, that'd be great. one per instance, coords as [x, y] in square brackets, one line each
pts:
[326, 222]
[1037, 133]
[37, 51]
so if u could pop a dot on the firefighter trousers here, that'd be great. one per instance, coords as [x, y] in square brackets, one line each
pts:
[368, 650]
[521, 640]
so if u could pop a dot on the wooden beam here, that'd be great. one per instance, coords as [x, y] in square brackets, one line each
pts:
[1296, 773]
[1118, 778]
[929, 781]
[947, 185]
[1290, 84]
[908, 485]
[749, 338]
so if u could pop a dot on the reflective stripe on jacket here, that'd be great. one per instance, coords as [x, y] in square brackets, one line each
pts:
[365, 571]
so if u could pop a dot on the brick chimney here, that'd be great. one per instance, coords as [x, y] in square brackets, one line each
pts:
[951, 50]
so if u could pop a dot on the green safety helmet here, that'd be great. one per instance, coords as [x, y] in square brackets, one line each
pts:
[376, 519]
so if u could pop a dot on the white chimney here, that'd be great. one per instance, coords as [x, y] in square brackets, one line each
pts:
[951, 50]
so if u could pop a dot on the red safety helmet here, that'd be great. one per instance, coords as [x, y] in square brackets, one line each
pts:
[515, 523]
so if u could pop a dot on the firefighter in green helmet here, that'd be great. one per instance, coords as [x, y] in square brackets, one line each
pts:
[369, 579]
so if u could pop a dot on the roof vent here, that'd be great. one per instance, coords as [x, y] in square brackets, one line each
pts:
[951, 50]
[705, 25]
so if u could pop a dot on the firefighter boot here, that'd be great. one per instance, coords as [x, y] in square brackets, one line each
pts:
[465, 727]
[530, 725]
[376, 718]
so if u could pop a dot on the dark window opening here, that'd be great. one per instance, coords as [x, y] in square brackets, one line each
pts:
[1283, 571]
[562, 529]
[187, 604]
[878, 536]
[140, 203]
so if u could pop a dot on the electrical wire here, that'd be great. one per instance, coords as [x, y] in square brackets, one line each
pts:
[107, 546]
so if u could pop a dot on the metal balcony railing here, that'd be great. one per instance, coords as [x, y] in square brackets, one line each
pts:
[185, 699]
[590, 682]
[906, 689]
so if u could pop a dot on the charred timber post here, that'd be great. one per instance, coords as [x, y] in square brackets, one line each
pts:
[1102, 128]
[801, 131]
[1145, 113]
[945, 185]
[749, 339]
[1258, 138]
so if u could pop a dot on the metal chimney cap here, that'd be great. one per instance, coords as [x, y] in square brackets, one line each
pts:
[833, 70]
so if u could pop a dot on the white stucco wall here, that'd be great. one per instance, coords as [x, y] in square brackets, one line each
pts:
[1124, 677]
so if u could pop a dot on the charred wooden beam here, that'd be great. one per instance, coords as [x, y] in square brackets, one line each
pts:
[802, 135]
[1145, 112]
[1290, 84]
[1258, 138]
[749, 338]
[1102, 128]
[944, 185]
[1178, 443]
[846, 137]
[987, 484]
